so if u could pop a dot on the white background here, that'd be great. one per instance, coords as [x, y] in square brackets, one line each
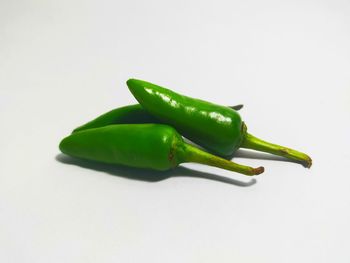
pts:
[63, 63]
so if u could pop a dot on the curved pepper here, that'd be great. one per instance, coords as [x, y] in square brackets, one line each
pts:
[217, 128]
[152, 146]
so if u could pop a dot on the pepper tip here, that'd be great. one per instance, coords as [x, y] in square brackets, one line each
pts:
[130, 81]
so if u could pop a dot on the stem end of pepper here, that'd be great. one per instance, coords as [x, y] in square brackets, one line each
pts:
[258, 170]
[251, 142]
[196, 155]
[308, 162]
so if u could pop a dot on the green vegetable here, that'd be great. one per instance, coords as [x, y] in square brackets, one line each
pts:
[131, 114]
[153, 146]
[217, 128]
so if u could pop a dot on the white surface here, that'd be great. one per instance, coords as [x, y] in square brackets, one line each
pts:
[65, 62]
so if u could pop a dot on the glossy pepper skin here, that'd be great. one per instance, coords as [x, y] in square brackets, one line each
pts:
[215, 127]
[151, 146]
[131, 114]
[212, 126]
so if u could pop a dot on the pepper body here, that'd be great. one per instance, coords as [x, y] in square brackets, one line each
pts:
[152, 146]
[143, 145]
[215, 127]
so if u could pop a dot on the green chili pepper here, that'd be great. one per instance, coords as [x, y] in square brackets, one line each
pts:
[131, 114]
[217, 128]
[153, 146]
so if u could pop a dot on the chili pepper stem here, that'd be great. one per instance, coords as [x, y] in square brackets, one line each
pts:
[236, 107]
[252, 142]
[193, 154]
